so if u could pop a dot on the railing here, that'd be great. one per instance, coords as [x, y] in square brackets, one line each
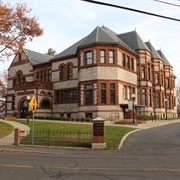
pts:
[59, 138]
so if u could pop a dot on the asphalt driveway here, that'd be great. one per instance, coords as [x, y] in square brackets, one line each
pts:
[162, 140]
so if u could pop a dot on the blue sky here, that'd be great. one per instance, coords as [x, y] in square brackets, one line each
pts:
[67, 21]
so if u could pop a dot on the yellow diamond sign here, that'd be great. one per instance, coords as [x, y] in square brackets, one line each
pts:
[33, 104]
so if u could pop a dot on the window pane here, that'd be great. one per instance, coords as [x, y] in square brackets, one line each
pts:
[89, 58]
[111, 57]
[143, 72]
[112, 93]
[69, 73]
[89, 98]
[103, 96]
[102, 56]
[103, 93]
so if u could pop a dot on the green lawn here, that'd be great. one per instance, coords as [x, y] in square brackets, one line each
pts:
[5, 129]
[113, 134]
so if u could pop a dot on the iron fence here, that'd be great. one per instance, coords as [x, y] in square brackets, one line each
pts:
[59, 138]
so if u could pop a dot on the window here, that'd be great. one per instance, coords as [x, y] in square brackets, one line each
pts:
[162, 79]
[144, 97]
[142, 72]
[89, 97]
[129, 93]
[111, 57]
[66, 96]
[49, 75]
[149, 73]
[69, 72]
[61, 96]
[124, 60]
[102, 57]
[158, 99]
[112, 93]
[103, 93]
[19, 78]
[132, 64]
[45, 75]
[167, 83]
[88, 58]
[133, 91]
[125, 93]
[157, 78]
[128, 62]
[61, 74]
[163, 100]
[57, 97]
[150, 98]
[37, 75]
[71, 95]
[168, 102]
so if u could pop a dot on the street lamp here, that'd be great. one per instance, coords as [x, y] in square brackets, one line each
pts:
[133, 99]
[28, 98]
[166, 106]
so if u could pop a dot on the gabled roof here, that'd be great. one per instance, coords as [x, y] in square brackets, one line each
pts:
[133, 40]
[100, 35]
[154, 53]
[36, 57]
[166, 62]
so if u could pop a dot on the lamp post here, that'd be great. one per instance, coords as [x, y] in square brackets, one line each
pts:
[133, 99]
[28, 98]
[166, 107]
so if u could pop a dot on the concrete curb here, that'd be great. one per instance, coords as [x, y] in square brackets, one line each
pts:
[126, 136]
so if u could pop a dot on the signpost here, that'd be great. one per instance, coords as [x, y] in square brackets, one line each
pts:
[33, 105]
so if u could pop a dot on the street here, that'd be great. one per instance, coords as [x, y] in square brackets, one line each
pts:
[144, 156]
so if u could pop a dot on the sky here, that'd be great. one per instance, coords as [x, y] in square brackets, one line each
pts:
[67, 21]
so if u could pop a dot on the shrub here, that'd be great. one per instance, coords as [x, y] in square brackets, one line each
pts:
[88, 119]
[144, 117]
[82, 119]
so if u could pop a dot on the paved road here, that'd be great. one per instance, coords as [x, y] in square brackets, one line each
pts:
[163, 140]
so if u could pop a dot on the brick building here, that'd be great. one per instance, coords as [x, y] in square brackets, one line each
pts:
[96, 76]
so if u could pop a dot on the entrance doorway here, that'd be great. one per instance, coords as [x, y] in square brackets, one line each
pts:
[24, 109]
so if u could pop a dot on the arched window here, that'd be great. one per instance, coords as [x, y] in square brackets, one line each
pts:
[61, 73]
[19, 77]
[45, 104]
[69, 72]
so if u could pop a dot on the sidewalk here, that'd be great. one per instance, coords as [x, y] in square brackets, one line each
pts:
[6, 143]
[9, 140]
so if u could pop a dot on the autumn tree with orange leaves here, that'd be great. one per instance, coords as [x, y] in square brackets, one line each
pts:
[17, 27]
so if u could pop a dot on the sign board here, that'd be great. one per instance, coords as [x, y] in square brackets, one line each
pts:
[130, 105]
[21, 134]
[33, 104]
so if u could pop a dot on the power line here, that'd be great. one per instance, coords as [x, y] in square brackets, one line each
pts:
[130, 9]
[167, 3]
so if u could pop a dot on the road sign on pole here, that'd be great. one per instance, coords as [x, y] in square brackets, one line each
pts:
[33, 104]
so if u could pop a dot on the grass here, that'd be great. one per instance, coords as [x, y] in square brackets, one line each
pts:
[5, 129]
[113, 134]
